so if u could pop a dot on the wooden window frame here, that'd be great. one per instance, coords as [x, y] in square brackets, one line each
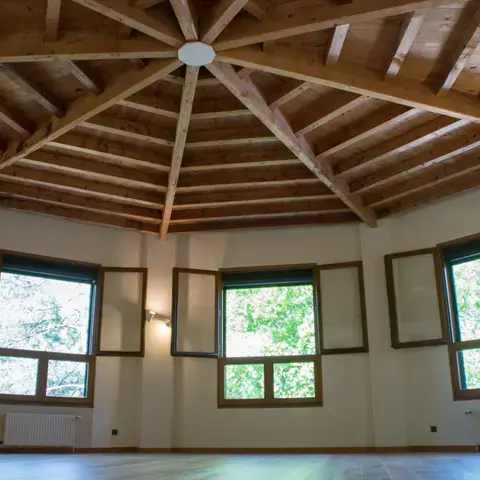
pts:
[268, 362]
[455, 346]
[392, 301]
[361, 285]
[174, 351]
[40, 397]
[99, 312]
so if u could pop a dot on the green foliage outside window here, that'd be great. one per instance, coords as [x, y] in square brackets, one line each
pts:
[270, 321]
[467, 290]
[48, 315]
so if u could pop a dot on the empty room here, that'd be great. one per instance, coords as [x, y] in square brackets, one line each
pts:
[239, 239]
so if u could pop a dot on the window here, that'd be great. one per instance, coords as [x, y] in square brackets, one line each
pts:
[462, 276]
[269, 354]
[46, 330]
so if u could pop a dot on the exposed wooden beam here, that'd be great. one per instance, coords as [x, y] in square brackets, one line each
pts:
[291, 221]
[223, 13]
[84, 76]
[83, 201]
[339, 34]
[187, 18]
[100, 170]
[129, 129]
[229, 137]
[52, 19]
[432, 193]
[386, 152]
[87, 107]
[355, 79]
[375, 123]
[325, 110]
[464, 141]
[74, 183]
[276, 208]
[435, 175]
[408, 31]
[41, 96]
[107, 149]
[277, 124]
[254, 9]
[15, 121]
[249, 177]
[459, 48]
[253, 196]
[120, 11]
[188, 94]
[85, 47]
[245, 72]
[76, 214]
[155, 105]
[311, 19]
[290, 95]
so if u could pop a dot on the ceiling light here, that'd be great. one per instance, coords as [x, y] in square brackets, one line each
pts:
[196, 54]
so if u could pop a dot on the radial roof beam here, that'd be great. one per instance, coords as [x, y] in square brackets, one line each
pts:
[186, 105]
[274, 120]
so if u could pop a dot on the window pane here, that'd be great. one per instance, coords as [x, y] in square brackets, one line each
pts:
[469, 367]
[18, 376]
[44, 314]
[67, 379]
[271, 321]
[294, 380]
[244, 382]
[467, 290]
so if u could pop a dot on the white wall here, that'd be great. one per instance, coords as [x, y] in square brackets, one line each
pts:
[387, 398]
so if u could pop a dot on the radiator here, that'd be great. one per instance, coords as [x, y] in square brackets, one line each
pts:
[22, 429]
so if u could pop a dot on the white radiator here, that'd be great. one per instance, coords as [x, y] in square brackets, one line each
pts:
[22, 429]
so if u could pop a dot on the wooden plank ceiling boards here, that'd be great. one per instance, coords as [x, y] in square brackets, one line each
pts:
[312, 112]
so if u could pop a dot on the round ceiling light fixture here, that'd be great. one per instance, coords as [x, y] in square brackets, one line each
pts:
[196, 54]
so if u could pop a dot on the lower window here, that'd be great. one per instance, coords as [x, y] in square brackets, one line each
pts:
[270, 349]
[462, 274]
[46, 331]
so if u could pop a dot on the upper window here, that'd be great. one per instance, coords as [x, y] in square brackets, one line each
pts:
[46, 330]
[462, 274]
[270, 348]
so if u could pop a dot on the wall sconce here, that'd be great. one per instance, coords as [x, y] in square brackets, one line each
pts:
[156, 317]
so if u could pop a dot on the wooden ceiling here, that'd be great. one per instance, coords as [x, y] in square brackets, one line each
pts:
[313, 112]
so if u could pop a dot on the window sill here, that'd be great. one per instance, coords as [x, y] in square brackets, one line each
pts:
[54, 402]
[284, 403]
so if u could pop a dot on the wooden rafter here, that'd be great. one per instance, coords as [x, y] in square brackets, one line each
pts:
[276, 122]
[186, 18]
[15, 121]
[339, 34]
[88, 107]
[188, 94]
[41, 96]
[122, 12]
[254, 9]
[84, 76]
[52, 20]
[362, 81]
[459, 48]
[223, 13]
[306, 20]
[410, 26]
[88, 47]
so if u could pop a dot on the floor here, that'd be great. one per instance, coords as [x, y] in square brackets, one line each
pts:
[238, 467]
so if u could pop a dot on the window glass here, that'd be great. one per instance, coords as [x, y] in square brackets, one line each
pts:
[270, 321]
[469, 363]
[294, 380]
[244, 382]
[44, 314]
[67, 379]
[18, 376]
[466, 278]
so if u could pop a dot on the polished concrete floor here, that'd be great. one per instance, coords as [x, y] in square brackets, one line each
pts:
[241, 467]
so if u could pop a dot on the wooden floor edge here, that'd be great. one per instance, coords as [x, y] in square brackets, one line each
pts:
[246, 451]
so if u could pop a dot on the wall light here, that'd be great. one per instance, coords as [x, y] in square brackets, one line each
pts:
[157, 317]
